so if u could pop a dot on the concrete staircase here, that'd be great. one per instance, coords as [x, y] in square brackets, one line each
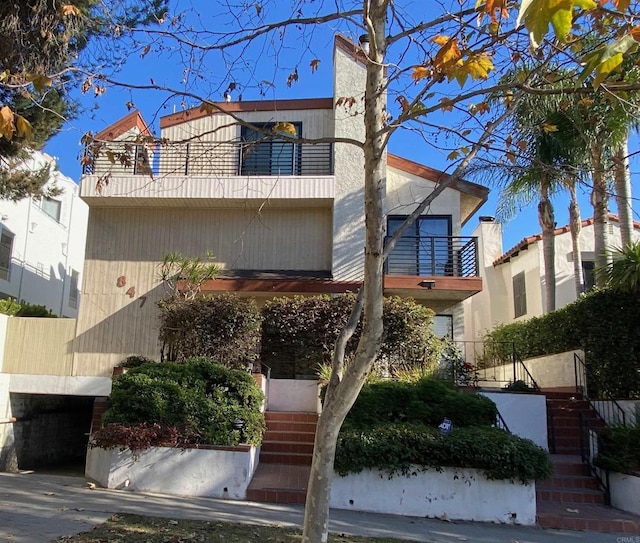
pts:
[572, 499]
[285, 458]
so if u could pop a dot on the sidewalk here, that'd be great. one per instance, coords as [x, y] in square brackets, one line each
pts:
[37, 508]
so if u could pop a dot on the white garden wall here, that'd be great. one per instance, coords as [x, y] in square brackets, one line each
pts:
[213, 473]
[452, 493]
[294, 395]
[525, 414]
[625, 492]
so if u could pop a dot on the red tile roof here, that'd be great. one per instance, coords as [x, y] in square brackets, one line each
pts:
[524, 244]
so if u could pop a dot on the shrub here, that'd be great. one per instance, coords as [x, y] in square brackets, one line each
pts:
[427, 402]
[298, 334]
[34, 310]
[135, 361]
[9, 306]
[199, 398]
[518, 386]
[603, 324]
[398, 448]
[225, 328]
[619, 449]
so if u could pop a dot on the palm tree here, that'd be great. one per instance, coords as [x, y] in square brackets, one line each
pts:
[623, 273]
[550, 165]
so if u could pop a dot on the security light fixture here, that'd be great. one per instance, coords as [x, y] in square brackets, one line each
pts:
[238, 424]
[427, 284]
[364, 43]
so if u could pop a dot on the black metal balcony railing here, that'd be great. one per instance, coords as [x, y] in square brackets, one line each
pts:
[262, 158]
[434, 256]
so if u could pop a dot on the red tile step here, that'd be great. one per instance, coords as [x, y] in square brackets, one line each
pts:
[598, 518]
[289, 438]
[279, 483]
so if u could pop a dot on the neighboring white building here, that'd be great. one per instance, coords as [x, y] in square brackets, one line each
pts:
[42, 244]
[514, 282]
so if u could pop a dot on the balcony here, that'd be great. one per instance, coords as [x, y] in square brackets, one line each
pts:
[208, 173]
[441, 269]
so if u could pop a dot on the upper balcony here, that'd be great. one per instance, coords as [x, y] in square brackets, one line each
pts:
[433, 268]
[221, 174]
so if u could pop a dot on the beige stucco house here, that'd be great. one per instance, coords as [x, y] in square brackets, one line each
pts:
[281, 218]
[514, 282]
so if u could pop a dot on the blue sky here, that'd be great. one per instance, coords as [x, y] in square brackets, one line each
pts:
[167, 67]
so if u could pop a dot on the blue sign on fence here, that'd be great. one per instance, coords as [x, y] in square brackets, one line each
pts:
[446, 426]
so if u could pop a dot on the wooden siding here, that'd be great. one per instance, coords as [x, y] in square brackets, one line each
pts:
[39, 346]
[125, 247]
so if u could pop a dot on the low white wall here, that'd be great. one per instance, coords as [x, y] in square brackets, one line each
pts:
[217, 473]
[625, 492]
[525, 414]
[294, 395]
[555, 370]
[452, 493]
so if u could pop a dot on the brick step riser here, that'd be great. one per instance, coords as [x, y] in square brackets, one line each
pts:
[284, 458]
[568, 483]
[571, 469]
[283, 496]
[567, 432]
[606, 526]
[567, 404]
[570, 451]
[284, 416]
[283, 447]
[570, 497]
[287, 426]
[289, 436]
[565, 414]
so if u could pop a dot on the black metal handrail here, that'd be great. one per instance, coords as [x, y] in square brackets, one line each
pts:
[501, 423]
[588, 450]
[609, 411]
[434, 256]
[259, 158]
[496, 361]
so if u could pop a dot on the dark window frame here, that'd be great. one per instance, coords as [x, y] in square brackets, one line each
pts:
[265, 157]
[519, 282]
[426, 264]
[6, 253]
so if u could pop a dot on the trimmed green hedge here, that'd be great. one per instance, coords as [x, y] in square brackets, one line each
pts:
[198, 397]
[397, 448]
[427, 401]
[298, 334]
[619, 449]
[224, 327]
[603, 323]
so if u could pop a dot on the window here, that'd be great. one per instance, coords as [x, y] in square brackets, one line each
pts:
[6, 247]
[51, 207]
[424, 249]
[588, 275]
[443, 326]
[264, 155]
[73, 289]
[519, 295]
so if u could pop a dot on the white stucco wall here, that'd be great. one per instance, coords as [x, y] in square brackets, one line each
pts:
[525, 414]
[4, 319]
[348, 207]
[189, 472]
[625, 492]
[294, 395]
[494, 305]
[452, 493]
[45, 251]
[60, 384]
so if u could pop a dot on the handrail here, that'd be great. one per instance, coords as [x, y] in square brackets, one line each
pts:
[609, 411]
[501, 423]
[517, 362]
[589, 445]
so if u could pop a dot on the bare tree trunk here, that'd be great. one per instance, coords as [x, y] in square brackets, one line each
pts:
[575, 223]
[623, 192]
[343, 390]
[548, 224]
[600, 203]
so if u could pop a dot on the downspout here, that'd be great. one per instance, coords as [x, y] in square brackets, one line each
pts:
[24, 251]
[66, 259]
